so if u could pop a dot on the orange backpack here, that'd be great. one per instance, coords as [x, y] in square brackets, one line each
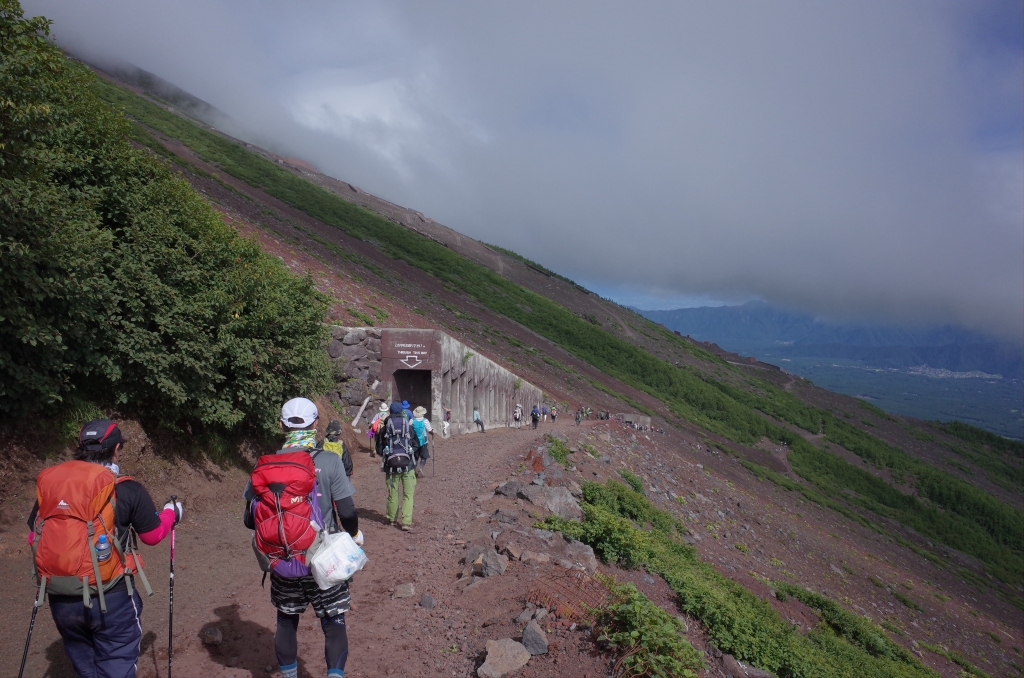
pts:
[76, 506]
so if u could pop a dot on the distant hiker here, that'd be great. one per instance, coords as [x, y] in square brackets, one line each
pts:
[544, 413]
[398, 461]
[84, 556]
[292, 494]
[332, 442]
[579, 416]
[374, 430]
[421, 428]
[447, 423]
[517, 415]
[535, 416]
[477, 420]
[554, 414]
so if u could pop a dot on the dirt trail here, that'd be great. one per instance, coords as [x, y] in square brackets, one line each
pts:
[218, 582]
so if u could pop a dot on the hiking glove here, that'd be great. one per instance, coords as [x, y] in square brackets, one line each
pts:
[358, 539]
[176, 507]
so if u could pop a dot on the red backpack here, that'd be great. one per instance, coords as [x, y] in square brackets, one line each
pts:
[286, 511]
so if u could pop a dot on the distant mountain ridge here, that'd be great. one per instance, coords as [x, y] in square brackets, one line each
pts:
[757, 327]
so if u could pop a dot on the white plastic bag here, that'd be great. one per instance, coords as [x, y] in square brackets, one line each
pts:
[337, 559]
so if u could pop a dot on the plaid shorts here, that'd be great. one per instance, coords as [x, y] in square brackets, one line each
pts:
[291, 595]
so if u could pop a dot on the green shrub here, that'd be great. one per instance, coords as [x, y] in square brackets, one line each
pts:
[651, 639]
[558, 449]
[120, 282]
[634, 481]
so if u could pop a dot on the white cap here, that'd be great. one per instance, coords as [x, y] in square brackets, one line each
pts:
[298, 413]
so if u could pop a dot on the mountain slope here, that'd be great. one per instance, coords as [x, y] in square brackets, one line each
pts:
[584, 350]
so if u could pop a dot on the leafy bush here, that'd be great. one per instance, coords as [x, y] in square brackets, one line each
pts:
[634, 481]
[120, 282]
[651, 639]
[558, 449]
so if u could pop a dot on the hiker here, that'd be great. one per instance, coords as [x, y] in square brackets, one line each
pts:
[554, 414]
[332, 443]
[101, 629]
[477, 420]
[326, 504]
[421, 428]
[517, 415]
[447, 423]
[579, 416]
[405, 409]
[398, 461]
[534, 416]
[374, 429]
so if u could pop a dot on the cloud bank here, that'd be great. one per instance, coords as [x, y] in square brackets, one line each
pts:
[848, 159]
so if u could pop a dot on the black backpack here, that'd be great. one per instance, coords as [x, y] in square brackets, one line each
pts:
[399, 455]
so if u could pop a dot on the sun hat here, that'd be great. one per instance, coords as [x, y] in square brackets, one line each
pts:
[299, 413]
[396, 408]
[405, 404]
[383, 407]
[99, 434]
[419, 411]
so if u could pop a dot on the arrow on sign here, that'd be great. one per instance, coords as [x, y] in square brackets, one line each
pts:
[411, 361]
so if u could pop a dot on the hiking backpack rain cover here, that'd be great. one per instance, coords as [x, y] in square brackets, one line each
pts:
[286, 511]
[76, 506]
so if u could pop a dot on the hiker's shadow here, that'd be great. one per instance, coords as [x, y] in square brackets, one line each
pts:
[60, 665]
[375, 516]
[244, 644]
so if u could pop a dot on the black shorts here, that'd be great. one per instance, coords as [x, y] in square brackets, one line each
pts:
[291, 595]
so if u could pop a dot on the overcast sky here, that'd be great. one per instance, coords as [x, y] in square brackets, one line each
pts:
[847, 159]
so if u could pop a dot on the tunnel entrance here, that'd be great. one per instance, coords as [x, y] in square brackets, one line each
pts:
[414, 386]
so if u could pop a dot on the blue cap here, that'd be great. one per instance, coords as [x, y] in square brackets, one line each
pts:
[396, 408]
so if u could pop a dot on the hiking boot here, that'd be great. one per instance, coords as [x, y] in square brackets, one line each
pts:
[406, 528]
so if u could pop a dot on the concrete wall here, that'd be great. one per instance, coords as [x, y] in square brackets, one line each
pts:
[365, 362]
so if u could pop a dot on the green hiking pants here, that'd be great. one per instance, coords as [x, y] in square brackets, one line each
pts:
[406, 484]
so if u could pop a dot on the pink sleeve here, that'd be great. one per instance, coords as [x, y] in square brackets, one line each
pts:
[153, 537]
[31, 538]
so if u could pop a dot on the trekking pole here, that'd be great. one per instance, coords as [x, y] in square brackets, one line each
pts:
[170, 614]
[31, 625]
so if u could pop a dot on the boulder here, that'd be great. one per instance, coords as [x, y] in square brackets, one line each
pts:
[513, 551]
[335, 348]
[354, 352]
[558, 500]
[534, 639]
[338, 332]
[525, 616]
[581, 554]
[355, 336]
[534, 557]
[373, 345]
[506, 516]
[732, 668]
[509, 489]
[490, 563]
[213, 636]
[503, 656]
[427, 601]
